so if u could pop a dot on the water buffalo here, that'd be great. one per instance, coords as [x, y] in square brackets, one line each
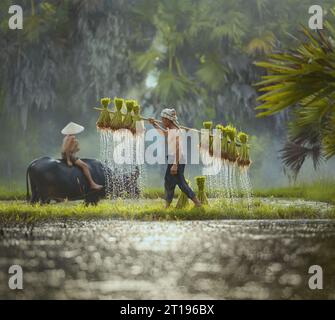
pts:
[52, 179]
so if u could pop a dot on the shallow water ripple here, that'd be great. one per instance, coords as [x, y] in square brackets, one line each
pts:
[169, 260]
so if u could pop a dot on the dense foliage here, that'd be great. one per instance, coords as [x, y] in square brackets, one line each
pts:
[304, 78]
[194, 54]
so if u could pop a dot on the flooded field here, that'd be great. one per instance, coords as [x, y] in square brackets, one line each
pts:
[115, 259]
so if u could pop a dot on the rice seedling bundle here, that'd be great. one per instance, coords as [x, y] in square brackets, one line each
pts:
[183, 200]
[244, 158]
[219, 130]
[208, 125]
[224, 143]
[137, 120]
[117, 118]
[201, 181]
[104, 120]
[128, 118]
[232, 148]
[234, 145]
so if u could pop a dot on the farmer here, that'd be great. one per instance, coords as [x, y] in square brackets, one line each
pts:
[175, 170]
[71, 147]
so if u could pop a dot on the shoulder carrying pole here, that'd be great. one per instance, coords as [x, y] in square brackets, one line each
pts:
[147, 119]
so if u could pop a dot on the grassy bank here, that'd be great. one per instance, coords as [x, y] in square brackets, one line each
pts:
[18, 211]
[318, 191]
[7, 194]
[12, 193]
[18, 193]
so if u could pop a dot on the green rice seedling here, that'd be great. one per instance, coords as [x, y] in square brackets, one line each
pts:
[201, 181]
[208, 125]
[183, 200]
[243, 159]
[232, 148]
[137, 119]
[128, 118]
[104, 120]
[219, 132]
[224, 143]
[117, 118]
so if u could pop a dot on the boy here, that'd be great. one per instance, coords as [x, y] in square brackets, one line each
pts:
[71, 147]
[175, 170]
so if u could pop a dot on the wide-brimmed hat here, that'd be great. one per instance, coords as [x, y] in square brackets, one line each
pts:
[171, 114]
[72, 128]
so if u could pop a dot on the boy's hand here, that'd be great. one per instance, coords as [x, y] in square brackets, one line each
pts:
[174, 169]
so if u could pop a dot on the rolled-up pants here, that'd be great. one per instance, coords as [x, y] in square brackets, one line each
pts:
[171, 181]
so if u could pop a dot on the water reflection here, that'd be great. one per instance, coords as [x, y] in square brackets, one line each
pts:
[170, 260]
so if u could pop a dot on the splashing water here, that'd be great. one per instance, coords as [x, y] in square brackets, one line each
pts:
[126, 174]
[246, 185]
[119, 152]
[231, 183]
[139, 147]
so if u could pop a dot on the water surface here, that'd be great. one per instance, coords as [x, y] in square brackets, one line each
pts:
[169, 260]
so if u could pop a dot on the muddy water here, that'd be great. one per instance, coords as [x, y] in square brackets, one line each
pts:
[169, 260]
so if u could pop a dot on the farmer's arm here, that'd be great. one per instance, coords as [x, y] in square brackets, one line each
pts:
[161, 130]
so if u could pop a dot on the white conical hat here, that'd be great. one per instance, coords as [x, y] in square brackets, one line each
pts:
[72, 128]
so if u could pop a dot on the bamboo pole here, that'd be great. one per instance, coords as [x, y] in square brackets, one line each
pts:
[159, 121]
[147, 119]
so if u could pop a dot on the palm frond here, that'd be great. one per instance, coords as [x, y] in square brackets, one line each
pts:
[303, 78]
[145, 62]
[329, 136]
[212, 73]
[294, 155]
[171, 87]
[262, 44]
[294, 77]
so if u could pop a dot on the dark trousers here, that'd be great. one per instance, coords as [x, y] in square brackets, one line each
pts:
[171, 181]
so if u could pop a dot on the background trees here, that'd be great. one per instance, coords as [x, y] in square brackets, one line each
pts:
[196, 55]
[304, 78]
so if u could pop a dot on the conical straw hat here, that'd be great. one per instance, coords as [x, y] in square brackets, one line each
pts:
[72, 128]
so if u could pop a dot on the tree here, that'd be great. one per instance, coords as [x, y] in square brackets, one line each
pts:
[201, 53]
[303, 79]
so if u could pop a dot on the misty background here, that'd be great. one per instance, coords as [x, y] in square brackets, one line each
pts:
[194, 55]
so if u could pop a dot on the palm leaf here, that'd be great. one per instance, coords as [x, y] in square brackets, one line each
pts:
[212, 72]
[171, 87]
[303, 78]
[294, 155]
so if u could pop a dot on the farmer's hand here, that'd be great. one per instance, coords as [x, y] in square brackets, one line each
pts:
[174, 169]
[152, 121]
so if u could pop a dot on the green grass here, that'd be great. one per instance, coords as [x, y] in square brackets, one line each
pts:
[322, 190]
[17, 193]
[18, 211]
[319, 191]
[12, 192]
[14, 209]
